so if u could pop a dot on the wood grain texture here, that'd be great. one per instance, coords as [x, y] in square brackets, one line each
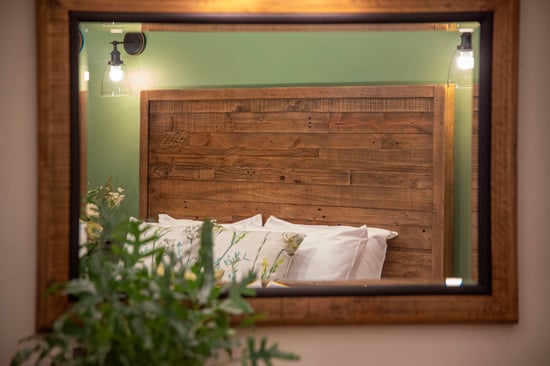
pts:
[475, 187]
[368, 151]
[501, 305]
[53, 162]
[284, 7]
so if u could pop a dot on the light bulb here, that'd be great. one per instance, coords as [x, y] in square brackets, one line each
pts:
[116, 73]
[465, 60]
[461, 68]
[116, 81]
[116, 77]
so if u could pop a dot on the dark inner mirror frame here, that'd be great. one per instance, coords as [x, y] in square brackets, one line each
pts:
[485, 20]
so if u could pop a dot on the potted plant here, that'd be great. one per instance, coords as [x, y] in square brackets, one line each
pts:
[127, 314]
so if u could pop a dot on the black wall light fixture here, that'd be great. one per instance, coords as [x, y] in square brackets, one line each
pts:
[462, 62]
[116, 81]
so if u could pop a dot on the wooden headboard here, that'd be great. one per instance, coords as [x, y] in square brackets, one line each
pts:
[375, 155]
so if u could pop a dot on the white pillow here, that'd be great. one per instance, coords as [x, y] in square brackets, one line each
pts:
[370, 261]
[236, 252]
[327, 252]
[255, 221]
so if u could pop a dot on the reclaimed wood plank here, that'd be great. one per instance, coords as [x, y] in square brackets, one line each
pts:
[380, 197]
[245, 174]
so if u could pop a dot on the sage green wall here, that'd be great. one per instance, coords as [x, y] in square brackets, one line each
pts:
[239, 59]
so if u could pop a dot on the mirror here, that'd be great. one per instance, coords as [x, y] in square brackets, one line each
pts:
[182, 56]
[494, 300]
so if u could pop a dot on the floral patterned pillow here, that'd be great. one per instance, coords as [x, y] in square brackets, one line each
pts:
[236, 252]
[267, 253]
[182, 240]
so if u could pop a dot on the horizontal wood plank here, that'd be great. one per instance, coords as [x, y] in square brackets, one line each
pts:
[289, 175]
[382, 122]
[295, 193]
[357, 156]
[342, 104]
[412, 180]
[408, 264]
[347, 122]
[164, 140]
[243, 174]
[363, 91]
[394, 161]
[307, 214]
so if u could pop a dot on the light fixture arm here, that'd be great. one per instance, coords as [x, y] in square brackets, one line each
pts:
[134, 44]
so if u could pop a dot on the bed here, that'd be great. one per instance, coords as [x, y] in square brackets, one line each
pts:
[338, 156]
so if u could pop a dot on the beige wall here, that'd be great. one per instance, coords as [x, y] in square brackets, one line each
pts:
[18, 177]
[526, 343]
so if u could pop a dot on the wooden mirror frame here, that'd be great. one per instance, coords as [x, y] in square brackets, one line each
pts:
[54, 84]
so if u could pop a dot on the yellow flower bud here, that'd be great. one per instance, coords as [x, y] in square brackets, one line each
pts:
[190, 276]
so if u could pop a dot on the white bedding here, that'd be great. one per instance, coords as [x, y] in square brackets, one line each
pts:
[325, 253]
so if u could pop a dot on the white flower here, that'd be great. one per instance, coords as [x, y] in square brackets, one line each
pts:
[92, 210]
[115, 198]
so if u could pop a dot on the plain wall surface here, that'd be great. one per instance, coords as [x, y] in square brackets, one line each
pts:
[526, 343]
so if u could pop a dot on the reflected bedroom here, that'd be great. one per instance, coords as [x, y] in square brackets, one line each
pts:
[329, 157]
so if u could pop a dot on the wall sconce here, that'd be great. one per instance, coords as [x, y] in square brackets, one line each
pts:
[115, 80]
[462, 62]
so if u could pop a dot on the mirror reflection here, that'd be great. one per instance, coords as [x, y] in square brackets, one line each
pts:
[381, 139]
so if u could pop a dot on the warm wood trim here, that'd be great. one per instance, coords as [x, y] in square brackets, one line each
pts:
[390, 91]
[53, 114]
[504, 158]
[284, 7]
[143, 153]
[475, 185]
[53, 159]
[442, 255]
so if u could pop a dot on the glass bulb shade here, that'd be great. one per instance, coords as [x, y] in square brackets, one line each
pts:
[115, 81]
[461, 69]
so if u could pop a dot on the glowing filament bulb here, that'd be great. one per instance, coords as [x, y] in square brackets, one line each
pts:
[115, 73]
[465, 60]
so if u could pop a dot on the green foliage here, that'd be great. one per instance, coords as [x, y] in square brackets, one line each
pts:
[127, 314]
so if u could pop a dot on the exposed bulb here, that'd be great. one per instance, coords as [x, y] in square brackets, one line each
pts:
[115, 73]
[465, 60]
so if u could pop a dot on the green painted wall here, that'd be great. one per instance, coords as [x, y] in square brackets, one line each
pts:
[240, 59]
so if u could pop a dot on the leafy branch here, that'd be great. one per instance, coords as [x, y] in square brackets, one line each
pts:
[126, 313]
